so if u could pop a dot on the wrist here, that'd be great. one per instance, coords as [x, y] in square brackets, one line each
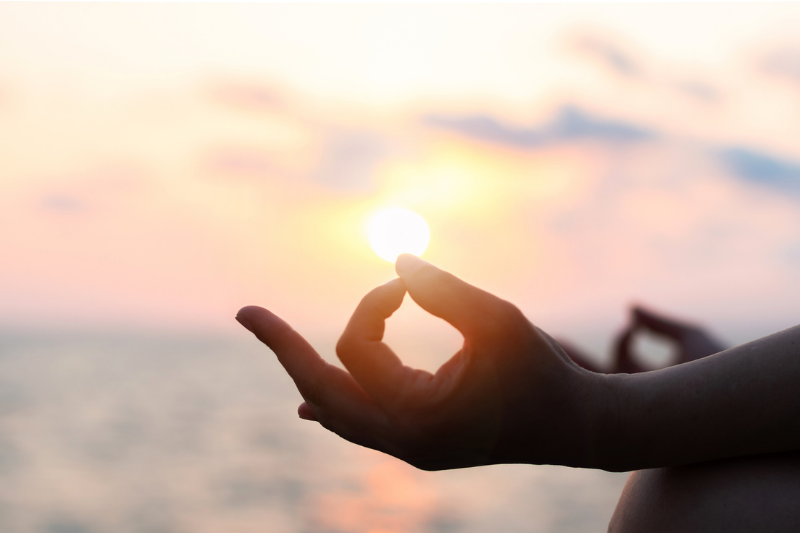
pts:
[606, 403]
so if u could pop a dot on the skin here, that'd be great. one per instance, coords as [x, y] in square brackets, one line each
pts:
[692, 343]
[513, 395]
[738, 495]
[738, 402]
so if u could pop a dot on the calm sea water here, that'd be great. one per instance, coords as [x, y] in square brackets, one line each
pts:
[168, 435]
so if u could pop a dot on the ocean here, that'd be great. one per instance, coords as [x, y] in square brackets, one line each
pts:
[165, 434]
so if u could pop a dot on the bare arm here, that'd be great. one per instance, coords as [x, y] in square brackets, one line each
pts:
[512, 395]
[743, 401]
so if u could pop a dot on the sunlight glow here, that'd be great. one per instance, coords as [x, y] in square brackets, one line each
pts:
[395, 230]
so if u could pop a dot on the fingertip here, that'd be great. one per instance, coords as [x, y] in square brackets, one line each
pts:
[257, 320]
[396, 286]
[259, 317]
[250, 312]
[408, 264]
[271, 329]
[245, 323]
[248, 317]
[386, 298]
[443, 294]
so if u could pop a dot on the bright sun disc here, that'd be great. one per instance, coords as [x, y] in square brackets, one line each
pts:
[394, 231]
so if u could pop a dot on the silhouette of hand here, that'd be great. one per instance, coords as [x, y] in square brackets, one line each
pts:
[510, 395]
[693, 342]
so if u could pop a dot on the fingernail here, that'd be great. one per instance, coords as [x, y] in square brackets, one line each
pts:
[245, 323]
[408, 264]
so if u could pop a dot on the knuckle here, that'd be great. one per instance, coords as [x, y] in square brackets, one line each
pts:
[436, 282]
[508, 311]
[314, 391]
[375, 302]
[344, 346]
[448, 283]
[500, 318]
[313, 394]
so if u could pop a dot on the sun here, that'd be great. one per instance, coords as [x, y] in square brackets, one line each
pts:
[395, 230]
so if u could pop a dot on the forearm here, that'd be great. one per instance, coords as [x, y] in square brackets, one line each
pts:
[742, 401]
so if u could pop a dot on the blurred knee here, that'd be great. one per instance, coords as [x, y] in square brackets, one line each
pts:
[758, 493]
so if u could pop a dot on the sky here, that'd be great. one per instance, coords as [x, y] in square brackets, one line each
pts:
[162, 165]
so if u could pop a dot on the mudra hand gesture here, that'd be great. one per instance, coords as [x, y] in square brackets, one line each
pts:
[509, 395]
[512, 395]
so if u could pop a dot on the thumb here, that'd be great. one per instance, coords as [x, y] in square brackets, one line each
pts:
[469, 309]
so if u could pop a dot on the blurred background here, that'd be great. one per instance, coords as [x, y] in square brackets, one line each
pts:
[163, 165]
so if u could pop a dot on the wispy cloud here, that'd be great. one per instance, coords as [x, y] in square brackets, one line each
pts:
[569, 123]
[249, 97]
[761, 168]
[104, 188]
[609, 54]
[783, 63]
[242, 162]
[349, 158]
[699, 90]
[63, 203]
[628, 63]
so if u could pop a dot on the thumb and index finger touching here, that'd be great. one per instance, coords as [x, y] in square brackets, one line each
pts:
[372, 363]
[444, 295]
[361, 349]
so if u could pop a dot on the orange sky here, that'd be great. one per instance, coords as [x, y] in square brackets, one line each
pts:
[164, 164]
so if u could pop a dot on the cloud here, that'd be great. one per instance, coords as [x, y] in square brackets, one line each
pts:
[783, 63]
[570, 123]
[242, 162]
[343, 158]
[63, 203]
[699, 90]
[250, 97]
[621, 62]
[610, 55]
[761, 168]
[349, 159]
[105, 187]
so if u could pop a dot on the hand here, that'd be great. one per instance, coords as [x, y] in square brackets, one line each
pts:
[579, 357]
[693, 342]
[510, 395]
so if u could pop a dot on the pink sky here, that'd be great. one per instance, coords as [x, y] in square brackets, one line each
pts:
[164, 164]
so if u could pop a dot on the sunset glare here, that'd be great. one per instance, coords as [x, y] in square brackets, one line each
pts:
[395, 231]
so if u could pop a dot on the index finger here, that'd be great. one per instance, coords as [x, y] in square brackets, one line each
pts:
[298, 357]
[361, 348]
[333, 397]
